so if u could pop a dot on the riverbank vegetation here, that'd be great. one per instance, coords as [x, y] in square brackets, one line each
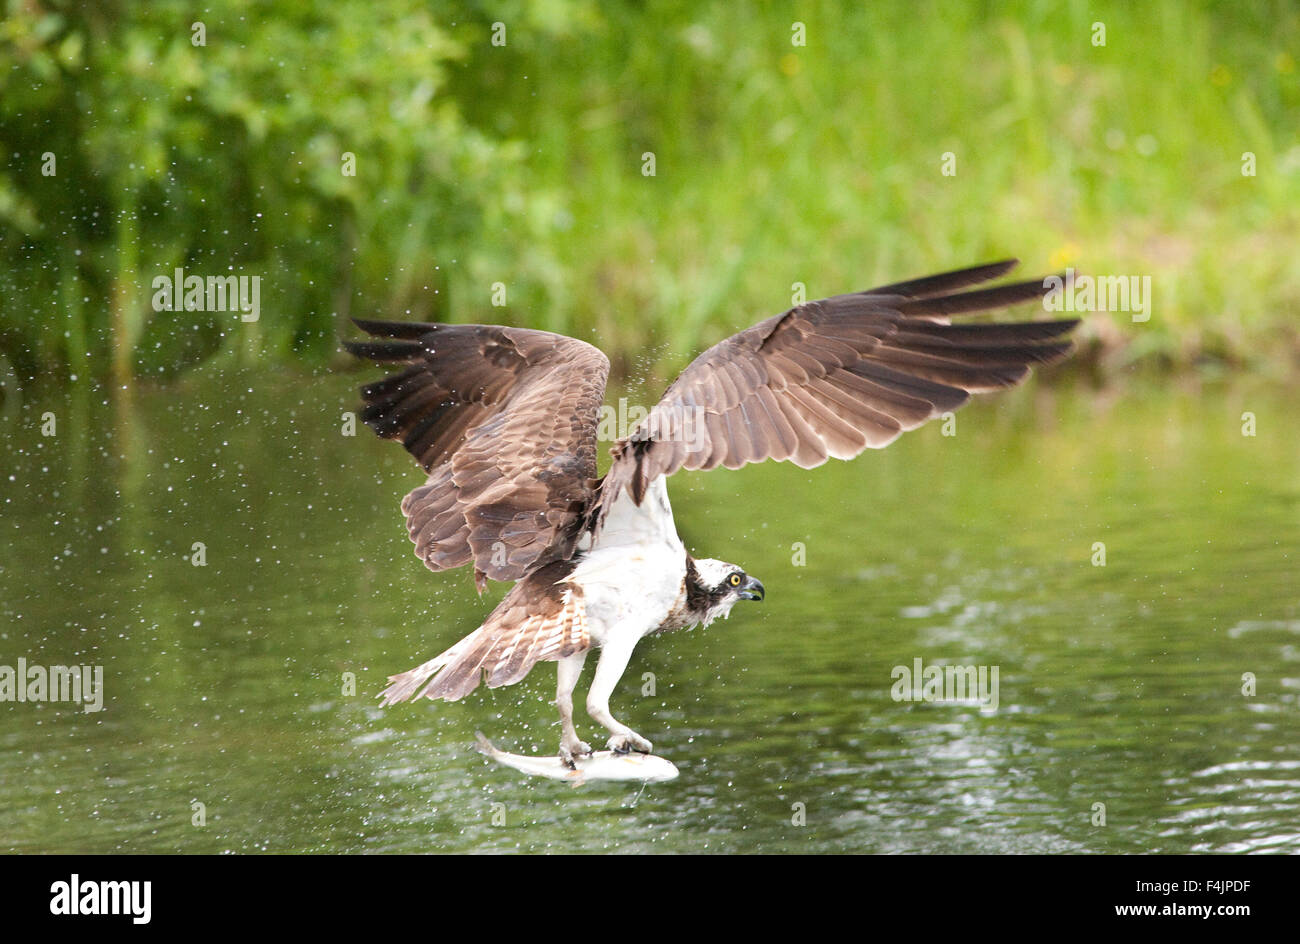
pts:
[645, 176]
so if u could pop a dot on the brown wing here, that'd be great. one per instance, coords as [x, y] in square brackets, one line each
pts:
[837, 376]
[504, 421]
[541, 619]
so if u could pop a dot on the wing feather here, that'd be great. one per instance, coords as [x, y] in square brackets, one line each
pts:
[834, 377]
[504, 421]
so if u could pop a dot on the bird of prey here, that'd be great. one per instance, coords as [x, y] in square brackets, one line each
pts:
[504, 421]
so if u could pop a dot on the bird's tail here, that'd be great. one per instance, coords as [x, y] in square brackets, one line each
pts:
[451, 675]
[542, 619]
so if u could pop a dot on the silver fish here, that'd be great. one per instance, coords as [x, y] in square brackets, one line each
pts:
[600, 765]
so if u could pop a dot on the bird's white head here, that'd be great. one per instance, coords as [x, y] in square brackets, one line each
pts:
[713, 587]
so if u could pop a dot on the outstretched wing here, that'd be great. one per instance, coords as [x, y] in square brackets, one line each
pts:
[504, 421]
[831, 378]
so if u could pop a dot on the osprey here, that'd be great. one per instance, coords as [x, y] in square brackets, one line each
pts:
[504, 421]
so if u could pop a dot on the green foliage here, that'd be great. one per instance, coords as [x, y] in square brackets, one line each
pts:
[229, 157]
[522, 163]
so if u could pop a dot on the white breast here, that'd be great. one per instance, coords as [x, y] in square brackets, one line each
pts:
[633, 573]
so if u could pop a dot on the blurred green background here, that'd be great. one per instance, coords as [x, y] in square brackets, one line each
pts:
[523, 164]
[774, 164]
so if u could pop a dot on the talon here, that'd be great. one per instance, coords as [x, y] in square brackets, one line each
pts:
[569, 753]
[626, 743]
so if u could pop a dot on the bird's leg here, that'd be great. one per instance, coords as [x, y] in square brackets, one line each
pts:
[613, 660]
[566, 673]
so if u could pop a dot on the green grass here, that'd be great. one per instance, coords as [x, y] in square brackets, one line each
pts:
[821, 164]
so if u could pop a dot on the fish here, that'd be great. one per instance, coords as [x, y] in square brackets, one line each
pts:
[600, 765]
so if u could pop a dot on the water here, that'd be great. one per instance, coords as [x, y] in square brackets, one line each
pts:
[1119, 685]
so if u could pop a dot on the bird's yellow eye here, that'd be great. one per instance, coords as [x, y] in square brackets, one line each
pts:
[734, 580]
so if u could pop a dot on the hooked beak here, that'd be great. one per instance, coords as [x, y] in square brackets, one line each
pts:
[752, 589]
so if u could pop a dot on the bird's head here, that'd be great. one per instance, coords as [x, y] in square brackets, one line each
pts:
[713, 587]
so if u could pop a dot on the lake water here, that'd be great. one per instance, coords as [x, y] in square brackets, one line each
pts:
[1124, 690]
